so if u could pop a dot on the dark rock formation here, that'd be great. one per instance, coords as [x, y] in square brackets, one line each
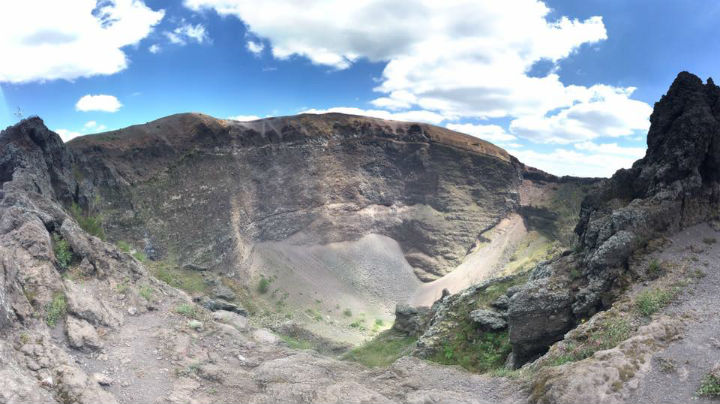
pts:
[675, 185]
[411, 321]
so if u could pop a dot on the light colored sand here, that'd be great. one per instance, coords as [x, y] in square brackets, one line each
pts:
[367, 276]
[478, 265]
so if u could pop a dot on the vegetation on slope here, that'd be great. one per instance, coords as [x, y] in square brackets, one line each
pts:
[382, 350]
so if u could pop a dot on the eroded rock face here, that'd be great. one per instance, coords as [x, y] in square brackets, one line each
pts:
[205, 190]
[675, 185]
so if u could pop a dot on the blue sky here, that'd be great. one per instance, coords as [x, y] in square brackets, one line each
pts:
[566, 85]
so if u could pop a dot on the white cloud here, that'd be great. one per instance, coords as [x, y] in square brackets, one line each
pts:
[154, 48]
[100, 102]
[255, 47]
[491, 133]
[187, 32]
[244, 118]
[460, 58]
[601, 111]
[49, 39]
[67, 135]
[408, 116]
[613, 149]
[601, 161]
[94, 126]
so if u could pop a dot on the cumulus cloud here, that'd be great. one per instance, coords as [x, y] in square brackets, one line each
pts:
[99, 102]
[491, 133]
[409, 116]
[67, 135]
[48, 39]
[459, 59]
[244, 118]
[600, 111]
[603, 160]
[93, 126]
[255, 47]
[154, 48]
[187, 32]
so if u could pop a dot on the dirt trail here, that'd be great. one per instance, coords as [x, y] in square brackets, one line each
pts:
[157, 357]
[478, 265]
[676, 372]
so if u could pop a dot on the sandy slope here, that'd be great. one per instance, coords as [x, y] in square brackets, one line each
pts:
[479, 265]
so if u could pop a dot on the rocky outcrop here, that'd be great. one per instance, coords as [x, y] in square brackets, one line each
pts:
[675, 185]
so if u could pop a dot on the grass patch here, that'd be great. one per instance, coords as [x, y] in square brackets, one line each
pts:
[347, 313]
[383, 350]
[478, 353]
[92, 224]
[56, 309]
[61, 248]
[654, 269]
[263, 285]
[188, 310]
[123, 246]
[187, 280]
[146, 292]
[296, 343]
[605, 334]
[140, 256]
[709, 387]
[650, 302]
[122, 288]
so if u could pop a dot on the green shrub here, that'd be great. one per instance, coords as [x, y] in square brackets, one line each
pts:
[62, 251]
[123, 246]
[188, 310]
[383, 350]
[479, 354]
[187, 280]
[649, 302]
[654, 268]
[263, 285]
[146, 292]
[122, 288]
[709, 387]
[140, 256]
[56, 309]
[604, 335]
[347, 313]
[90, 223]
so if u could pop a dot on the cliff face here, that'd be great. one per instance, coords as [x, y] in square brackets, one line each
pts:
[204, 191]
[674, 186]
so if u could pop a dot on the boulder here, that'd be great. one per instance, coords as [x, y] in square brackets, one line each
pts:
[231, 318]
[488, 319]
[223, 292]
[82, 335]
[411, 320]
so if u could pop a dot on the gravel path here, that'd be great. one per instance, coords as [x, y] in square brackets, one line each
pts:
[676, 372]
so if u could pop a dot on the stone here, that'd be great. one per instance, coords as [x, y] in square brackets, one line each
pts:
[219, 304]
[227, 317]
[102, 379]
[265, 336]
[488, 319]
[85, 306]
[223, 292]
[411, 320]
[82, 335]
[501, 303]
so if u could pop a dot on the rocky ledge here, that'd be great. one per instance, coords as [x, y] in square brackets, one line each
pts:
[674, 186]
